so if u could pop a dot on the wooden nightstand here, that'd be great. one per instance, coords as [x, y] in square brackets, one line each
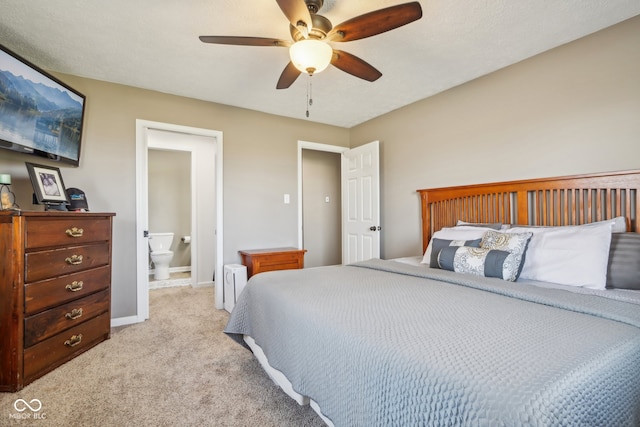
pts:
[260, 260]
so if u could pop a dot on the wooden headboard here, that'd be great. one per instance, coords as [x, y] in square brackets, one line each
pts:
[568, 200]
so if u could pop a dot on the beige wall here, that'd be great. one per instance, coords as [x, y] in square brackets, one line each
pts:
[571, 110]
[260, 165]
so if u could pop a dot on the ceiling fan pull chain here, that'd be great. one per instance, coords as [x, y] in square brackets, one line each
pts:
[309, 99]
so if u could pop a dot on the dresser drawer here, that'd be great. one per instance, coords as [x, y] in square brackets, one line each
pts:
[43, 325]
[48, 232]
[52, 352]
[52, 263]
[49, 293]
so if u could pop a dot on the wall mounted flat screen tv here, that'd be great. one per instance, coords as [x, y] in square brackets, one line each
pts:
[39, 114]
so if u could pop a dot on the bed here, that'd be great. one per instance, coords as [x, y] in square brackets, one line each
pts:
[523, 309]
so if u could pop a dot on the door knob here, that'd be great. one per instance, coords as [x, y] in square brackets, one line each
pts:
[374, 228]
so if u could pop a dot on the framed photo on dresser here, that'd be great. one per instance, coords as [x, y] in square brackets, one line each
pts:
[48, 185]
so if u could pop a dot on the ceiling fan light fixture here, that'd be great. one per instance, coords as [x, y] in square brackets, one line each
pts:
[310, 56]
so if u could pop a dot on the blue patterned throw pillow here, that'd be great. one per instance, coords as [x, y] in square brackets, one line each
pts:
[514, 243]
[476, 261]
[438, 244]
[500, 255]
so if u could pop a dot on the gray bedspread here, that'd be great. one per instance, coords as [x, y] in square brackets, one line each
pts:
[381, 343]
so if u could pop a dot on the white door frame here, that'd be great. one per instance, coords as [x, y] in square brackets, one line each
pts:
[142, 218]
[305, 145]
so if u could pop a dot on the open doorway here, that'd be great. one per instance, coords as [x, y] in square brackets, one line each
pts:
[170, 212]
[204, 148]
[360, 199]
[320, 210]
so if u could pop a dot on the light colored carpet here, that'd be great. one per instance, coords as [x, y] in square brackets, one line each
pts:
[176, 369]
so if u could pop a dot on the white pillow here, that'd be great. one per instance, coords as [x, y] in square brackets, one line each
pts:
[460, 233]
[571, 255]
[495, 225]
[619, 224]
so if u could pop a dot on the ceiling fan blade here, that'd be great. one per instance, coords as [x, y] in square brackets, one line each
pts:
[245, 41]
[355, 66]
[288, 76]
[298, 14]
[376, 22]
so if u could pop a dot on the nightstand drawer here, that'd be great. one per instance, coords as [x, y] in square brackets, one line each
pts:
[42, 233]
[52, 263]
[51, 353]
[277, 262]
[51, 292]
[48, 323]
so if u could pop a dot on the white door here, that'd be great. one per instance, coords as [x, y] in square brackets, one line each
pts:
[361, 203]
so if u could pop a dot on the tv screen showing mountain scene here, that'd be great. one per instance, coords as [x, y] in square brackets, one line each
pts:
[38, 113]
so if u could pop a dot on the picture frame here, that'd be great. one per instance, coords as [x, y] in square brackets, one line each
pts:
[48, 185]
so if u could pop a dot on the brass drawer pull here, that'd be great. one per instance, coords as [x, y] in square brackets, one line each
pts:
[74, 259]
[74, 314]
[73, 341]
[75, 286]
[74, 232]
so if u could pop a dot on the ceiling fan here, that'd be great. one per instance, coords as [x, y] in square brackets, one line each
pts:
[310, 33]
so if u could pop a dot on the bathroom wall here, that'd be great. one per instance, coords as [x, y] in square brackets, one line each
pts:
[170, 199]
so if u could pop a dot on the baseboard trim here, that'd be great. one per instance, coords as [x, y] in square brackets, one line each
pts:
[184, 269]
[205, 284]
[123, 321]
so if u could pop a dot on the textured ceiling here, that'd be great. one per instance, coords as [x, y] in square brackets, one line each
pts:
[153, 44]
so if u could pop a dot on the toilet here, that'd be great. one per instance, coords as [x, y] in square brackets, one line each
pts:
[159, 243]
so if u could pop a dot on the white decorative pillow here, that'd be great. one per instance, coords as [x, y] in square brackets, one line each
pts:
[571, 255]
[461, 233]
[513, 243]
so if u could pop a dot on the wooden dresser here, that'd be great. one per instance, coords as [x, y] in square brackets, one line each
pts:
[55, 290]
[259, 260]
